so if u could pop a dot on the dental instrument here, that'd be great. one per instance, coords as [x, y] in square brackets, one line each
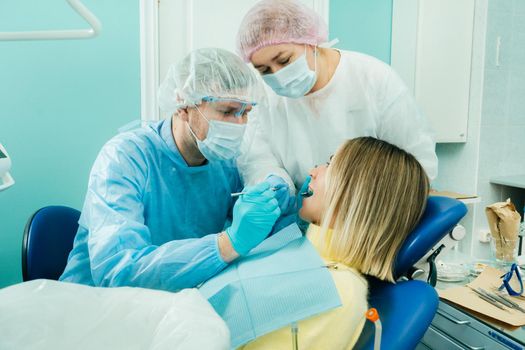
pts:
[307, 193]
[237, 194]
[515, 305]
[305, 190]
[503, 300]
[487, 299]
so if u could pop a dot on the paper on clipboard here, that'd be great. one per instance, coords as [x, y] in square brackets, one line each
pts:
[489, 280]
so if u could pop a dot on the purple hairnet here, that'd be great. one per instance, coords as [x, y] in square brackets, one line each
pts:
[273, 22]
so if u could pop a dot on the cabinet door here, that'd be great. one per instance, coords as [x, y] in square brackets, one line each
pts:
[431, 50]
[436, 340]
[422, 346]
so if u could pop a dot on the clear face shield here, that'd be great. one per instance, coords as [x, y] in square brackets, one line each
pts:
[227, 119]
[229, 106]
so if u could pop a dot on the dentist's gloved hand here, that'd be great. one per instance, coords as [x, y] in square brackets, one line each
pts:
[282, 193]
[254, 215]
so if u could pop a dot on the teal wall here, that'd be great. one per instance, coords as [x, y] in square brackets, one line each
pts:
[59, 102]
[362, 25]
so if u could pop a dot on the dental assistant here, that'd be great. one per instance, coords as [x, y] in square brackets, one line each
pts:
[319, 97]
[158, 205]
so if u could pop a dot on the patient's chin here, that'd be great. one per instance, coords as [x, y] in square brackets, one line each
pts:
[302, 214]
[305, 214]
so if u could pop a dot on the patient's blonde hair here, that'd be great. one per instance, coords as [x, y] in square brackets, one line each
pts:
[375, 196]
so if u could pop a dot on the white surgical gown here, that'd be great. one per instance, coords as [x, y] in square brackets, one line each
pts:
[365, 97]
[149, 220]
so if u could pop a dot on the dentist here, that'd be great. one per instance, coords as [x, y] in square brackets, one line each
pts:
[158, 208]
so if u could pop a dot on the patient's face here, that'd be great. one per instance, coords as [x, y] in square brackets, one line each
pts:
[313, 206]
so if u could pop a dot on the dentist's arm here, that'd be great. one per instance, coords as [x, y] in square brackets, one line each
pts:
[121, 248]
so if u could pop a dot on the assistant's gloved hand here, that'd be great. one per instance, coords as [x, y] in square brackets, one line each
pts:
[254, 215]
[282, 193]
[303, 225]
[304, 189]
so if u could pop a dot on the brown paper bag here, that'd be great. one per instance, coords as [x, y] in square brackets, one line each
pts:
[504, 223]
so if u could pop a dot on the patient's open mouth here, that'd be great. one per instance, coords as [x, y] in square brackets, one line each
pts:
[307, 193]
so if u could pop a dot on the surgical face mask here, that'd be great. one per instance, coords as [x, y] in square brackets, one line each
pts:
[294, 80]
[223, 141]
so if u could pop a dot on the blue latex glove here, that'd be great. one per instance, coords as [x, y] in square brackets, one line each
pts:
[288, 219]
[282, 193]
[254, 215]
[303, 225]
[304, 188]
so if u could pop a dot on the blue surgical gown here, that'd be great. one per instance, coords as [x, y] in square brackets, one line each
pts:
[149, 220]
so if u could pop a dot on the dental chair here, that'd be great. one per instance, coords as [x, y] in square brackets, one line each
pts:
[47, 241]
[407, 308]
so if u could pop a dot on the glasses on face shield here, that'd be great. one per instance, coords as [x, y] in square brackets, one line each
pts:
[239, 113]
[514, 271]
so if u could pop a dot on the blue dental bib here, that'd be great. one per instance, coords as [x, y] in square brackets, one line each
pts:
[281, 281]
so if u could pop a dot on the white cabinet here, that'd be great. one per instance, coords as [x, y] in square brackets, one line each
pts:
[432, 51]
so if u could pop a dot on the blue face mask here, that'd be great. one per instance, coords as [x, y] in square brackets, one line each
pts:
[223, 140]
[294, 80]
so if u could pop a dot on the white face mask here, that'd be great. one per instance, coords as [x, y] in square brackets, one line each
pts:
[223, 140]
[294, 80]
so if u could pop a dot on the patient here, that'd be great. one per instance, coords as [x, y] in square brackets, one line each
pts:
[365, 202]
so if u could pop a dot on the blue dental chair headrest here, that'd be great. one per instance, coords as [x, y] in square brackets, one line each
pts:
[439, 218]
[407, 308]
